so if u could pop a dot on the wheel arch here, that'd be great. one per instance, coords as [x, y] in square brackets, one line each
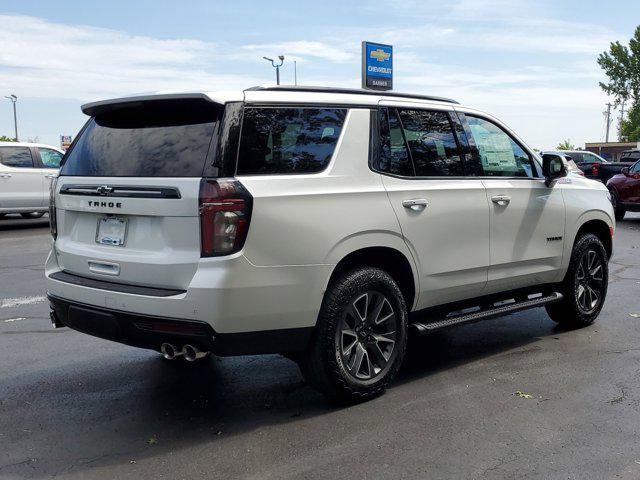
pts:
[396, 263]
[601, 229]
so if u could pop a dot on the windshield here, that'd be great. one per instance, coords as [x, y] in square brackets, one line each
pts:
[162, 138]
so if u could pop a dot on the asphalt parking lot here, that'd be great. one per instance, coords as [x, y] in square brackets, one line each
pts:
[73, 406]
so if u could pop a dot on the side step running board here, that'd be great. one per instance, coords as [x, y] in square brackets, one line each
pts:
[428, 327]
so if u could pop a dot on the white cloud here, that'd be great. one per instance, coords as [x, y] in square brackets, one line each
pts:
[540, 67]
[305, 48]
[84, 63]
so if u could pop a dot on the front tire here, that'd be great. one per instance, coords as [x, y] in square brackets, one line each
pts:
[360, 338]
[584, 286]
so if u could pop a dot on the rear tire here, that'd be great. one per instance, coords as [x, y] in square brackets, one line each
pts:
[618, 210]
[32, 215]
[360, 338]
[584, 286]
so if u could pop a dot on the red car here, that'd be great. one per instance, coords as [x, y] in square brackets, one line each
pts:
[625, 190]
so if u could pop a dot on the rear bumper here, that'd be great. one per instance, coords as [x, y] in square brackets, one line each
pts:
[230, 294]
[151, 332]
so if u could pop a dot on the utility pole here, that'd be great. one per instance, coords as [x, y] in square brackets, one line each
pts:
[295, 72]
[621, 119]
[608, 114]
[277, 67]
[14, 99]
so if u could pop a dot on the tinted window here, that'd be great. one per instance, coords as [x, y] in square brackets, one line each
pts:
[394, 155]
[635, 168]
[288, 140]
[161, 138]
[630, 156]
[18, 157]
[432, 143]
[579, 157]
[50, 158]
[499, 154]
[471, 158]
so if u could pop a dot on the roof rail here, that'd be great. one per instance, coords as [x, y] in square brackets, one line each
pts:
[352, 91]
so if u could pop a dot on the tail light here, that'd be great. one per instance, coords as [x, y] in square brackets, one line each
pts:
[225, 212]
[594, 170]
[53, 221]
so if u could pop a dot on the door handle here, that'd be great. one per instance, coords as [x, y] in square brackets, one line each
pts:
[50, 175]
[502, 200]
[415, 204]
[5, 175]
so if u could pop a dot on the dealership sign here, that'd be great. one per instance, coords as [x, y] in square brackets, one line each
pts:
[377, 66]
[65, 142]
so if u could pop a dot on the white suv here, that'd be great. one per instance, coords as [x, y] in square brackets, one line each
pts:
[26, 173]
[322, 224]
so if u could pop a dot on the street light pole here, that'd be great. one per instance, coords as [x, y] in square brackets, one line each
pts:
[277, 67]
[14, 99]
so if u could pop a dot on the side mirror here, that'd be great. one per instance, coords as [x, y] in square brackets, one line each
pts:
[552, 168]
[625, 171]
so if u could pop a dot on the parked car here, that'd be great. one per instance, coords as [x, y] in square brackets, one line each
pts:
[630, 155]
[570, 165]
[26, 172]
[594, 166]
[323, 224]
[625, 190]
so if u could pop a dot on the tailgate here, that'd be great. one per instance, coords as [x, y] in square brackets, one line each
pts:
[156, 220]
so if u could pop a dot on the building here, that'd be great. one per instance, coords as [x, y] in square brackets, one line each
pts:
[610, 150]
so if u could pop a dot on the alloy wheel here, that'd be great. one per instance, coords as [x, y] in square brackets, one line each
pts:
[367, 334]
[589, 281]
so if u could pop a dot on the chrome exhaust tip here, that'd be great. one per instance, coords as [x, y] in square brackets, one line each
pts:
[55, 321]
[191, 353]
[169, 351]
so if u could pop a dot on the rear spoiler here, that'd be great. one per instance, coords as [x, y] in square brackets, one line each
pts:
[96, 108]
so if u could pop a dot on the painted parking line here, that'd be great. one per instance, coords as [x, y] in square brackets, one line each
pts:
[20, 301]
[17, 319]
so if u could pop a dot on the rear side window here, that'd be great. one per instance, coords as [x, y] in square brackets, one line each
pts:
[17, 157]
[288, 140]
[432, 143]
[394, 154]
[418, 143]
[160, 138]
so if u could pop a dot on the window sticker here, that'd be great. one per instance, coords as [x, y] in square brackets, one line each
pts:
[495, 149]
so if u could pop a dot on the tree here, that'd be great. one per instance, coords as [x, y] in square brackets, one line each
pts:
[621, 64]
[630, 128]
[4, 138]
[566, 145]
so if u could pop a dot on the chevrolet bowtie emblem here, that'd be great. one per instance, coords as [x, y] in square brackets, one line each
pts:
[104, 190]
[380, 55]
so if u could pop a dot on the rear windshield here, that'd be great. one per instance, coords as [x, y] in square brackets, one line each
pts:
[161, 138]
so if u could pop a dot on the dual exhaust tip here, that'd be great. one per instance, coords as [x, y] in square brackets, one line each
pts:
[189, 352]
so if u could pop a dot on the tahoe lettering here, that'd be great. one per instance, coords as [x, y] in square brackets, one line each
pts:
[93, 203]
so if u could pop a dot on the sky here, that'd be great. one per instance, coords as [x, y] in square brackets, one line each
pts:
[532, 63]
